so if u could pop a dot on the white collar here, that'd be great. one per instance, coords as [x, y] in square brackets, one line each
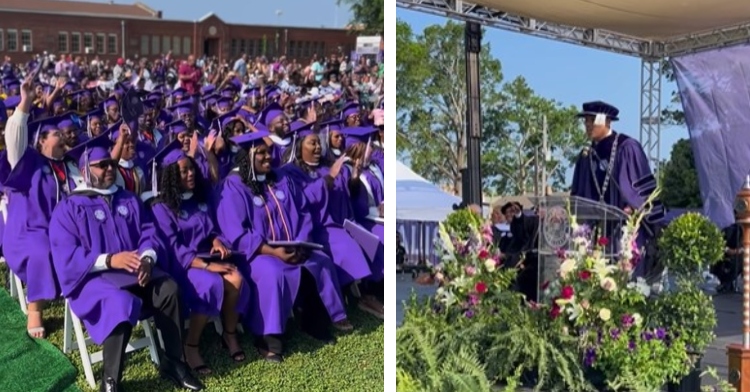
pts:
[258, 177]
[336, 152]
[519, 214]
[105, 192]
[126, 164]
[187, 195]
[312, 164]
[280, 141]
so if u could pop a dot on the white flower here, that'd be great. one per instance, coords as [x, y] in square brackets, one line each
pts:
[445, 238]
[567, 267]
[637, 318]
[573, 223]
[574, 312]
[608, 284]
[439, 277]
[490, 264]
[605, 314]
[641, 286]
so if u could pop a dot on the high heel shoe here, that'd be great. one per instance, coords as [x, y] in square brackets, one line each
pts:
[237, 356]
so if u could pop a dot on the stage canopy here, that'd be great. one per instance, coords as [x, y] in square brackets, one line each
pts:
[658, 20]
[418, 200]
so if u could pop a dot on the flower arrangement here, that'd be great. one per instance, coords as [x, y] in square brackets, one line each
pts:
[470, 272]
[597, 301]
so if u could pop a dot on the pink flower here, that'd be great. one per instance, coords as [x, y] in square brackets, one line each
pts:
[481, 287]
[603, 241]
[584, 275]
[483, 254]
[561, 253]
[567, 292]
[555, 312]
[470, 270]
[473, 299]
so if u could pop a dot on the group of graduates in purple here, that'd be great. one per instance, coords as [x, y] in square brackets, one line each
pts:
[225, 205]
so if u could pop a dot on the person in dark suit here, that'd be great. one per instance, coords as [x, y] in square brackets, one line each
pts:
[522, 249]
[501, 235]
[728, 269]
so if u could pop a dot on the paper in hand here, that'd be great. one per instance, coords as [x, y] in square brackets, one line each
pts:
[367, 241]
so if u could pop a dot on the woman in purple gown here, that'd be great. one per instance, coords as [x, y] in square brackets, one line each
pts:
[131, 173]
[366, 190]
[330, 206]
[199, 261]
[190, 145]
[266, 217]
[35, 177]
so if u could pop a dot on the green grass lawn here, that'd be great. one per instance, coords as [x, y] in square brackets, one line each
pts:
[354, 363]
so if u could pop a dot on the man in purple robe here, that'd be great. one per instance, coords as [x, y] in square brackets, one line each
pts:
[272, 117]
[615, 170]
[265, 216]
[104, 251]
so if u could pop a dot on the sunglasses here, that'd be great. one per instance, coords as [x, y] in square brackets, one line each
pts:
[104, 164]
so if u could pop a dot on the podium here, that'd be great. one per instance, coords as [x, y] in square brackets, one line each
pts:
[555, 231]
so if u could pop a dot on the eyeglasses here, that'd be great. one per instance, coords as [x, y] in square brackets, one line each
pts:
[104, 164]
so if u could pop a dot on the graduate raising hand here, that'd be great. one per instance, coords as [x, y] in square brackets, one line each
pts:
[337, 165]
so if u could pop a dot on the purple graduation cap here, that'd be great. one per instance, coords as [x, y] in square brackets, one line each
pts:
[269, 113]
[182, 108]
[229, 117]
[3, 112]
[48, 89]
[250, 141]
[150, 104]
[177, 127]
[252, 92]
[224, 103]
[601, 111]
[358, 134]
[155, 95]
[349, 109]
[208, 89]
[92, 151]
[131, 109]
[228, 92]
[272, 93]
[158, 89]
[12, 102]
[210, 100]
[40, 127]
[70, 87]
[13, 85]
[170, 154]
[178, 93]
[111, 101]
[96, 113]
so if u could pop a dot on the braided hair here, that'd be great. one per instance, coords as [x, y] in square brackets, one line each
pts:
[170, 186]
[244, 164]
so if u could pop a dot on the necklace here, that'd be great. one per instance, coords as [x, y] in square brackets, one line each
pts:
[602, 189]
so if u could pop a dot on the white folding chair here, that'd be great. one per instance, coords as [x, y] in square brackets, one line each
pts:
[15, 286]
[81, 343]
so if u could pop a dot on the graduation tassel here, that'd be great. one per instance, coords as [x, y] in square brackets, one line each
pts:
[368, 150]
[252, 164]
[86, 168]
[154, 190]
[294, 148]
[324, 141]
[36, 135]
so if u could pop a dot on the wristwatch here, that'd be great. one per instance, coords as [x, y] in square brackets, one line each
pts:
[108, 261]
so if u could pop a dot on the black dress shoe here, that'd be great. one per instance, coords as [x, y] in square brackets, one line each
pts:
[322, 335]
[110, 385]
[180, 374]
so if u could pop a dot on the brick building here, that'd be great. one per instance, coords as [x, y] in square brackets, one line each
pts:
[124, 30]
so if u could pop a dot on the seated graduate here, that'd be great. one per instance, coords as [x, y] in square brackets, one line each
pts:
[190, 144]
[257, 208]
[365, 183]
[273, 118]
[333, 140]
[331, 209]
[130, 174]
[104, 250]
[198, 259]
[218, 143]
[35, 176]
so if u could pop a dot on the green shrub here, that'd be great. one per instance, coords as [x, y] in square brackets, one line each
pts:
[689, 245]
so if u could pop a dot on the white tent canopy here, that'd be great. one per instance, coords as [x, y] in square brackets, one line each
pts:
[419, 200]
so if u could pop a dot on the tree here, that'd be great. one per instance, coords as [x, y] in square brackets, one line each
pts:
[680, 179]
[673, 114]
[431, 96]
[368, 13]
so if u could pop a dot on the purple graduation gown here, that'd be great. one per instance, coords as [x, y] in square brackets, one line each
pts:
[33, 192]
[378, 158]
[185, 235]
[242, 218]
[329, 208]
[84, 227]
[631, 182]
[144, 151]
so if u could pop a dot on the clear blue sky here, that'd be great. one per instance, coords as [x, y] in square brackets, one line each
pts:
[303, 13]
[570, 74]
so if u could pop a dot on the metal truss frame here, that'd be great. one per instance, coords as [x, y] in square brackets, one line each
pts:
[650, 134]
[651, 52]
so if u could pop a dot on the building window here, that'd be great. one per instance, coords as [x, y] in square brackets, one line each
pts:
[112, 44]
[2, 40]
[250, 50]
[156, 44]
[233, 48]
[306, 49]
[88, 43]
[62, 42]
[26, 41]
[100, 44]
[166, 44]
[12, 41]
[75, 43]
[144, 45]
[187, 46]
[176, 46]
